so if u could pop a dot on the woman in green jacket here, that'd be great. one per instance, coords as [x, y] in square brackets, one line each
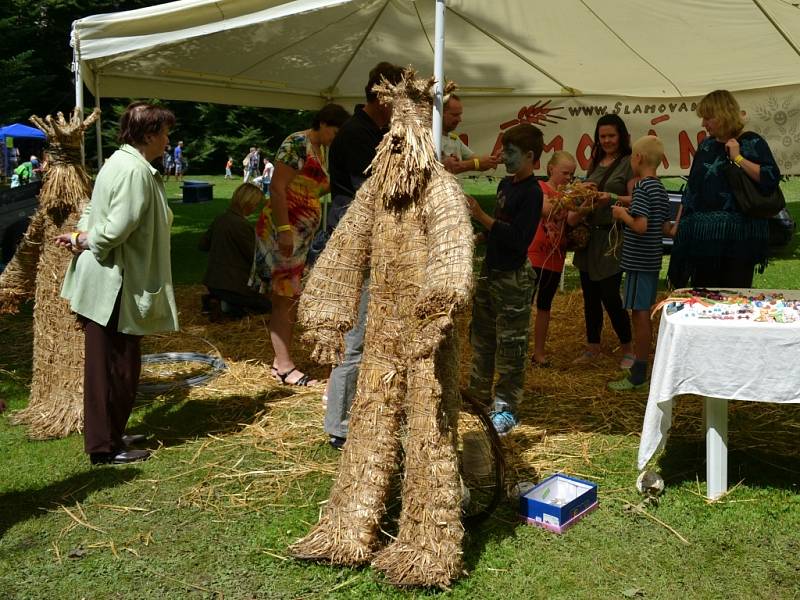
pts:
[120, 281]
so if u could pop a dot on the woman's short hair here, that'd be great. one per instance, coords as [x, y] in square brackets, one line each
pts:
[527, 138]
[246, 198]
[557, 157]
[141, 119]
[721, 105]
[333, 115]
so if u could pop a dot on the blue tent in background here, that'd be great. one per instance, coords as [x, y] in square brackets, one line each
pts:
[22, 131]
[15, 131]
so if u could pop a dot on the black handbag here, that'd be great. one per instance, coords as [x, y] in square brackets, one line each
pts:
[751, 202]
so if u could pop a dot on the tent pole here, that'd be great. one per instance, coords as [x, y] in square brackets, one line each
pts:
[76, 69]
[98, 127]
[438, 73]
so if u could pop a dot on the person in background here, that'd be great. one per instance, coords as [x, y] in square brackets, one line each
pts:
[547, 250]
[501, 306]
[167, 162]
[230, 242]
[22, 174]
[36, 168]
[119, 282]
[598, 263]
[716, 244]
[286, 226]
[228, 167]
[646, 222]
[457, 157]
[178, 162]
[351, 154]
[266, 175]
[252, 164]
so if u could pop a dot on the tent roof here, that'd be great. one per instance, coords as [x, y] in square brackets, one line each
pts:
[19, 130]
[297, 54]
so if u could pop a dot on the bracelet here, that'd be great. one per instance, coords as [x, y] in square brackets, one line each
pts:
[73, 239]
[282, 228]
[477, 164]
[738, 160]
[613, 197]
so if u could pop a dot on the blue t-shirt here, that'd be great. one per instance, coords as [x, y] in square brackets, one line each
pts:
[178, 154]
[642, 252]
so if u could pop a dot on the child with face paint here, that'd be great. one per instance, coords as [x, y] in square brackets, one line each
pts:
[501, 305]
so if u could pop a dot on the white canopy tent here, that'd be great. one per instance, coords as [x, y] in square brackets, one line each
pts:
[556, 64]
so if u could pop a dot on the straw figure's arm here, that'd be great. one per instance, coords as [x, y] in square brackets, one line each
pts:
[448, 271]
[18, 281]
[329, 304]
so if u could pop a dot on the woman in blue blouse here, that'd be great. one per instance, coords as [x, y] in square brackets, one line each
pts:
[716, 245]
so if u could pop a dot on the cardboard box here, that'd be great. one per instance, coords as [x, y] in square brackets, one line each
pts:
[558, 502]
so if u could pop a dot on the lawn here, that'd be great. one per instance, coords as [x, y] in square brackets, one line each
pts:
[241, 467]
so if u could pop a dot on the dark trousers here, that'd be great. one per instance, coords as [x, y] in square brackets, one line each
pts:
[110, 378]
[599, 294]
[254, 302]
[723, 272]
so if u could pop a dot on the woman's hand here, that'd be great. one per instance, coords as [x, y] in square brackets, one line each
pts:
[75, 242]
[732, 147]
[286, 243]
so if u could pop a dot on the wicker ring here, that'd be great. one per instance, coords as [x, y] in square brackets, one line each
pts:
[216, 363]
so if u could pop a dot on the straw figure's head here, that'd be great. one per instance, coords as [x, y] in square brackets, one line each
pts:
[406, 156]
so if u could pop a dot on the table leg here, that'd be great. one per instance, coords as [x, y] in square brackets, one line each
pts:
[716, 421]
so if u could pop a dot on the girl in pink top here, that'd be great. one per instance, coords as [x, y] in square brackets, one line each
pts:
[547, 250]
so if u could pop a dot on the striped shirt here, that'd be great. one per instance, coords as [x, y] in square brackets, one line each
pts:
[642, 252]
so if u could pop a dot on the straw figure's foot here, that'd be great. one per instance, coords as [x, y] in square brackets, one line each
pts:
[408, 565]
[336, 546]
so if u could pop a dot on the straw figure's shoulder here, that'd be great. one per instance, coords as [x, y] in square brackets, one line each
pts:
[448, 281]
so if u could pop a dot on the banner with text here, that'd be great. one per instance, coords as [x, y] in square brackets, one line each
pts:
[568, 124]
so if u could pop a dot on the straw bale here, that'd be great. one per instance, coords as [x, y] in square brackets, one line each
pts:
[56, 399]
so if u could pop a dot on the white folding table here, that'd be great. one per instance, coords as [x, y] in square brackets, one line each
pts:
[720, 360]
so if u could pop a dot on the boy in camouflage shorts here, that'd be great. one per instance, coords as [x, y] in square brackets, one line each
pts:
[501, 306]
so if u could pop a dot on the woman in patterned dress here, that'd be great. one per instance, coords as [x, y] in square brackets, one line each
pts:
[287, 225]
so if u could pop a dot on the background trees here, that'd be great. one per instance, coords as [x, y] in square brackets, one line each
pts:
[36, 78]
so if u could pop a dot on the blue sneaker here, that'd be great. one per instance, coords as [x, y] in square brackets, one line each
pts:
[503, 421]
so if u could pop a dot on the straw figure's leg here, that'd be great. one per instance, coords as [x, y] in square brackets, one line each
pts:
[427, 551]
[347, 533]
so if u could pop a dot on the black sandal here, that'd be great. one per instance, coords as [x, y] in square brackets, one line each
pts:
[304, 381]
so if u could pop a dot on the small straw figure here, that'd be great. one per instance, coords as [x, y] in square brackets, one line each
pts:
[409, 225]
[37, 270]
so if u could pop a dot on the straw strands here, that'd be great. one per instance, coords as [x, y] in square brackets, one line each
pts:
[37, 270]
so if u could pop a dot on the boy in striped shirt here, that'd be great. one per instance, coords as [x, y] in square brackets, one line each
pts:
[646, 221]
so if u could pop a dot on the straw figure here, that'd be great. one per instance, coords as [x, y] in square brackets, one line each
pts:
[409, 225]
[37, 270]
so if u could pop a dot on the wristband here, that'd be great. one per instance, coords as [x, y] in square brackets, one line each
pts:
[73, 239]
[738, 160]
[613, 197]
[477, 164]
[282, 228]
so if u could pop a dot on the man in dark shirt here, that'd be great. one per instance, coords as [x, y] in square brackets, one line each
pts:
[351, 153]
[501, 307]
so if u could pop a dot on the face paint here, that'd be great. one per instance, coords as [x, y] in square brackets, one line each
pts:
[512, 157]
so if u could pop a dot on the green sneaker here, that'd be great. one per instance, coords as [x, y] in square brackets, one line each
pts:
[626, 385]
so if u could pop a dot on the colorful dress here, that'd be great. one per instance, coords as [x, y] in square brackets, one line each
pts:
[303, 206]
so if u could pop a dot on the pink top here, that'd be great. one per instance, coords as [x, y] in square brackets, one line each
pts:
[547, 250]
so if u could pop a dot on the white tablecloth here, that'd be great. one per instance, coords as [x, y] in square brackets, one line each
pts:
[735, 360]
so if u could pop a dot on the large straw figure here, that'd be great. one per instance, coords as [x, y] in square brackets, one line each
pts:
[409, 225]
[55, 408]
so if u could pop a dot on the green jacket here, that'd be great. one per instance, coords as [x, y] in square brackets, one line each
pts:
[128, 224]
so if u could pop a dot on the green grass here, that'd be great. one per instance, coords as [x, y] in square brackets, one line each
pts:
[169, 543]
